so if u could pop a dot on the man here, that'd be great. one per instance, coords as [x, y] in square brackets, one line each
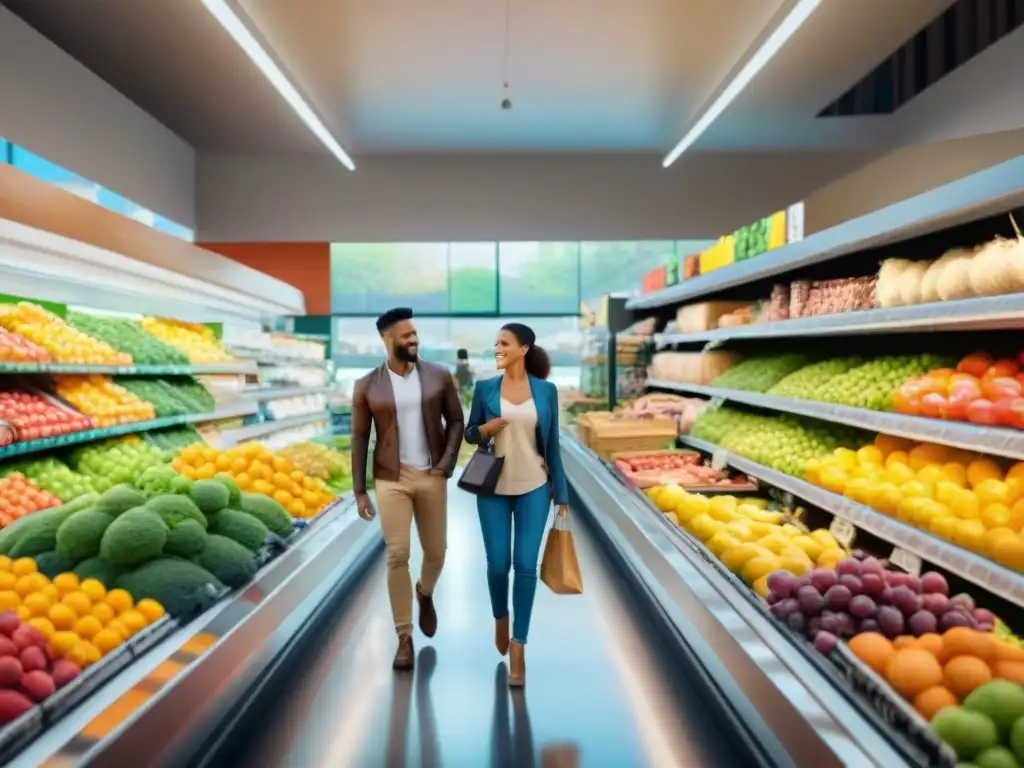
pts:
[415, 409]
[464, 377]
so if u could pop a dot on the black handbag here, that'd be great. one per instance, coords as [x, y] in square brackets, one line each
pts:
[480, 477]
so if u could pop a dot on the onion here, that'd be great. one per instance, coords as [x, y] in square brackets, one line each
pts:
[910, 282]
[887, 292]
[955, 280]
[930, 281]
[992, 272]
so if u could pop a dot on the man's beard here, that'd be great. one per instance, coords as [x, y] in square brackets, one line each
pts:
[403, 354]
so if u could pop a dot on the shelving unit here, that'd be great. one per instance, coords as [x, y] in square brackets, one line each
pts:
[255, 431]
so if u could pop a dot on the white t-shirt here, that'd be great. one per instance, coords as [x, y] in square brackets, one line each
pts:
[413, 449]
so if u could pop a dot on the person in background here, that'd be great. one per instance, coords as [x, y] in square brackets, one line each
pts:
[519, 411]
[416, 412]
[464, 376]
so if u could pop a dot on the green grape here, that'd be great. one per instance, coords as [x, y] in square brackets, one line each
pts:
[802, 384]
[758, 374]
[873, 384]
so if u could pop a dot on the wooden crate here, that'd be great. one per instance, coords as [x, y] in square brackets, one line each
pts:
[584, 424]
[611, 436]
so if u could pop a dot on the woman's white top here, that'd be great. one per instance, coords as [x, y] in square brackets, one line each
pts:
[524, 469]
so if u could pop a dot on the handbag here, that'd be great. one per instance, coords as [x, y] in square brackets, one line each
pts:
[480, 477]
[560, 568]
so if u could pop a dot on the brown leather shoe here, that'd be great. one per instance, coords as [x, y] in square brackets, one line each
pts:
[428, 614]
[517, 665]
[501, 636]
[405, 656]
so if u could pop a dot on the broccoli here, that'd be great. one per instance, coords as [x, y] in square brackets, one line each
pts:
[228, 560]
[135, 537]
[156, 481]
[240, 526]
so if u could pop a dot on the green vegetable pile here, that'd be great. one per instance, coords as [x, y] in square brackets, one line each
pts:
[172, 439]
[171, 396]
[751, 240]
[759, 374]
[126, 335]
[165, 537]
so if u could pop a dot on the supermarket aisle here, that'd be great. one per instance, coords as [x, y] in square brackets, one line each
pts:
[597, 688]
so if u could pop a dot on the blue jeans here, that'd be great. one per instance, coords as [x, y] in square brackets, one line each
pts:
[529, 514]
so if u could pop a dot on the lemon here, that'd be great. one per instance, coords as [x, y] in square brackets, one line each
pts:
[63, 616]
[120, 600]
[107, 640]
[93, 589]
[24, 566]
[37, 603]
[66, 582]
[133, 621]
[63, 641]
[87, 626]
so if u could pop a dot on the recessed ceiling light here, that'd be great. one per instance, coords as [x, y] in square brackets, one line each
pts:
[793, 21]
[235, 27]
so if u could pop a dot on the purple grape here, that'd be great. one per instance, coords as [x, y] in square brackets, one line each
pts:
[984, 626]
[848, 567]
[824, 642]
[852, 583]
[785, 607]
[936, 602]
[896, 578]
[838, 597]
[801, 581]
[811, 601]
[890, 621]
[951, 619]
[822, 579]
[796, 622]
[868, 625]
[872, 584]
[913, 583]
[862, 606]
[934, 582]
[813, 626]
[830, 622]
[846, 625]
[922, 623]
[963, 600]
[984, 616]
[905, 599]
[871, 565]
[781, 583]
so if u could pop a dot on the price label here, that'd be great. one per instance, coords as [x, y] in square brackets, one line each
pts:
[716, 402]
[795, 223]
[908, 561]
[844, 531]
[712, 345]
[719, 459]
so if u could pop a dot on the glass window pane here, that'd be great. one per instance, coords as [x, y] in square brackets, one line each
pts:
[473, 278]
[539, 278]
[369, 278]
[611, 267]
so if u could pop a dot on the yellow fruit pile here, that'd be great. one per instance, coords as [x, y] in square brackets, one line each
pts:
[256, 470]
[749, 539]
[967, 499]
[106, 402]
[81, 620]
[64, 343]
[197, 341]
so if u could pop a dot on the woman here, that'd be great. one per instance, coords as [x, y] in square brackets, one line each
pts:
[519, 411]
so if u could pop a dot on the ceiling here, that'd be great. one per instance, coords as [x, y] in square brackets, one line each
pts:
[394, 76]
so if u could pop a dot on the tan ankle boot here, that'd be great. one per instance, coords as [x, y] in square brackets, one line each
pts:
[501, 635]
[517, 665]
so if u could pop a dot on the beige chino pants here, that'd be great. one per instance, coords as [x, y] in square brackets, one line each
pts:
[423, 497]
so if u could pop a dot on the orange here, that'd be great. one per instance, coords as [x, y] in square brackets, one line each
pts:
[904, 641]
[1017, 515]
[222, 463]
[23, 613]
[61, 642]
[1009, 670]
[24, 566]
[262, 487]
[297, 476]
[992, 491]
[281, 480]
[256, 469]
[996, 516]
[209, 453]
[81, 604]
[931, 642]
[189, 472]
[980, 470]
[964, 641]
[120, 600]
[911, 671]
[120, 628]
[955, 473]
[311, 499]
[37, 603]
[107, 640]
[929, 701]
[87, 626]
[281, 464]
[206, 471]
[42, 624]
[5, 563]
[150, 609]
[962, 674]
[243, 481]
[873, 649]
[1009, 551]
[25, 585]
[93, 589]
[63, 616]
[66, 582]
[9, 600]
[296, 508]
[104, 613]
[239, 465]
[1006, 652]
[133, 621]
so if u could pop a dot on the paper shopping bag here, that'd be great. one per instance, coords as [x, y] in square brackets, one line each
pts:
[560, 569]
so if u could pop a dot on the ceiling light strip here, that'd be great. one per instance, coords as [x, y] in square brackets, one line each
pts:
[793, 21]
[225, 14]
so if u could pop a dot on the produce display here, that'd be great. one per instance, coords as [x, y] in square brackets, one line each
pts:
[683, 468]
[197, 342]
[172, 439]
[14, 348]
[684, 410]
[786, 443]
[812, 377]
[64, 343]
[174, 396]
[969, 500]
[105, 402]
[318, 461]
[114, 461]
[35, 416]
[759, 374]
[55, 477]
[254, 468]
[19, 496]
[286, 407]
[980, 390]
[128, 336]
[753, 239]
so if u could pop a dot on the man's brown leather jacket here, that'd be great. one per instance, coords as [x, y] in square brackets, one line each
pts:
[373, 401]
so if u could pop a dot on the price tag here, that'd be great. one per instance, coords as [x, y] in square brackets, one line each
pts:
[716, 402]
[713, 344]
[795, 223]
[908, 561]
[719, 459]
[844, 531]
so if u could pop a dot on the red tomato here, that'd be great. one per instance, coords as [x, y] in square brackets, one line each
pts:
[959, 402]
[975, 364]
[1000, 387]
[933, 405]
[1001, 368]
[907, 400]
[981, 411]
[1010, 412]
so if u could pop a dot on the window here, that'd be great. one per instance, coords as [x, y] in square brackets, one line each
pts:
[539, 278]
[610, 267]
[473, 278]
[369, 278]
